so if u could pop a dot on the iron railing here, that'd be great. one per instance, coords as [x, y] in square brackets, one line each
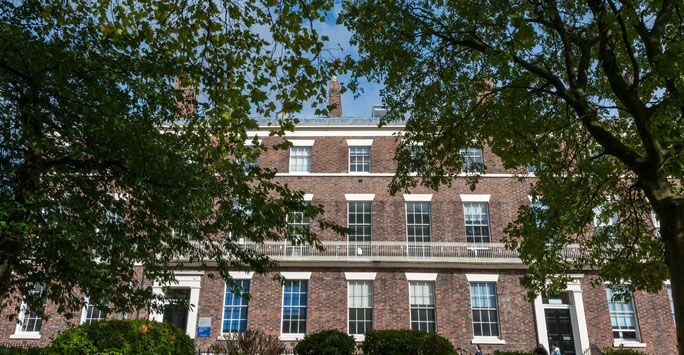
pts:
[396, 252]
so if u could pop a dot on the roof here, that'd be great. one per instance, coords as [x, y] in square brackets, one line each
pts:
[330, 121]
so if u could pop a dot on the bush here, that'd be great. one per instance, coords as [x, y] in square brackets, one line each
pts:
[621, 351]
[326, 342]
[249, 342]
[133, 336]
[406, 342]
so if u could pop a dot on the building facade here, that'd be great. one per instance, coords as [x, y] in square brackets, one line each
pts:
[429, 260]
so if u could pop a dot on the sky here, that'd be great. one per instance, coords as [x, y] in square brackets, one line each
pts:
[339, 37]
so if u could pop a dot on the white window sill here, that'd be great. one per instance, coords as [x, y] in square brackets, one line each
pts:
[359, 337]
[299, 173]
[227, 336]
[291, 336]
[25, 336]
[487, 340]
[628, 344]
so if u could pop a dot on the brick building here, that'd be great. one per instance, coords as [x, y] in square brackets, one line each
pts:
[425, 260]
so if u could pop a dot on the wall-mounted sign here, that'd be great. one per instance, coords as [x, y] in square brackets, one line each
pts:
[204, 327]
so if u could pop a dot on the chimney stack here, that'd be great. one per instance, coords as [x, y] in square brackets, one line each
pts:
[334, 98]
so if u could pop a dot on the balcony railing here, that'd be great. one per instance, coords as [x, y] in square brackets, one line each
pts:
[397, 252]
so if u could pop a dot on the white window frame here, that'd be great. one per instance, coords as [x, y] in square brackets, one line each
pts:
[19, 333]
[485, 279]
[433, 300]
[300, 223]
[361, 224]
[488, 225]
[417, 248]
[84, 313]
[468, 158]
[349, 160]
[308, 156]
[627, 343]
[228, 335]
[294, 336]
[350, 295]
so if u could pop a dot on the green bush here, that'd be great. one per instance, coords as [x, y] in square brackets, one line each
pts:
[406, 342]
[249, 342]
[621, 351]
[326, 342]
[119, 337]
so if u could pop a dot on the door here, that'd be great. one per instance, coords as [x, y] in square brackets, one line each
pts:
[176, 311]
[559, 329]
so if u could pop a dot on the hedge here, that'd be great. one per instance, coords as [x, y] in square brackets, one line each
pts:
[326, 342]
[406, 342]
[133, 336]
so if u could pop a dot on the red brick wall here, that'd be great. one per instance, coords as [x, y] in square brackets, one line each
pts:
[389, 218]
[328, 301]
[327, 286]
[331, 155]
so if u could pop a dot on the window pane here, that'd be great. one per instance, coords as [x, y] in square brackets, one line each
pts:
[294, 307]
[359, 159]
[235, 307]
[360, 303]
[622, 317]
[93, 314]
[476, 216]
[418, 228]
[422, 305]
[28, 320]
[484, 307]
[471, 158]
[359, 219]
[300, 159]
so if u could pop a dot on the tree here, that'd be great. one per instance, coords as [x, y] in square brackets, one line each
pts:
[590, 93]
[106, 165]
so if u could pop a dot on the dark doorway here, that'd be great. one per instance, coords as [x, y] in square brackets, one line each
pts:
[176, 311]
[559, 329]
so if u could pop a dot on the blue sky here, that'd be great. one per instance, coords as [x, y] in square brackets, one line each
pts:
[339, 47]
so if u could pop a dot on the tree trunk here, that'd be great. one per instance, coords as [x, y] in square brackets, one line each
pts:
[671, 215]
[5, 281]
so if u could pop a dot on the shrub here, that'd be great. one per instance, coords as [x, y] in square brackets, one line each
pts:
[249, 342]
[326, 342]
[405, 342]
[133, 336]
[621, 351]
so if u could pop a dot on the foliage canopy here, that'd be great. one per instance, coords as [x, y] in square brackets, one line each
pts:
[105, 165]
[588, 93]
